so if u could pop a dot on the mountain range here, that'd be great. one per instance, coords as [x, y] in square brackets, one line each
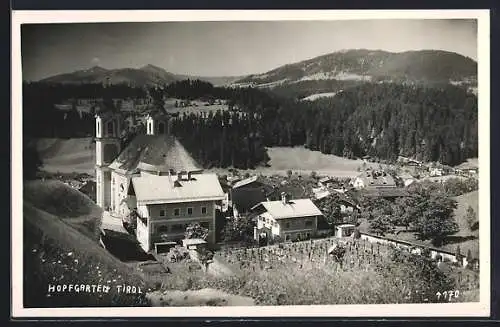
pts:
[327, 73]
[146, 75]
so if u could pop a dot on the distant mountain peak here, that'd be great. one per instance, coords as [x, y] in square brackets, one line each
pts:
[97, 69]
[151, 67]
[146, 75]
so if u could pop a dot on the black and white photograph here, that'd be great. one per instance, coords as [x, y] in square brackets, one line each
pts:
[274, 163]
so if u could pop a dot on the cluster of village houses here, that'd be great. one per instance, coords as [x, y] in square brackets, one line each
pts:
[156, 178]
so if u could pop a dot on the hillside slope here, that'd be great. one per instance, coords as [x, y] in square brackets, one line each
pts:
[369, 65]
[70, 205]
[67, 155]
[55, 252]
[341, 70]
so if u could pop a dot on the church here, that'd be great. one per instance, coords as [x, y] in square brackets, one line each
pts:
[155, 176]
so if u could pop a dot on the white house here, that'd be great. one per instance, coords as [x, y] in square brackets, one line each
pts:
[167, 204]
[344, 230]
[373, 180]
[288, 219]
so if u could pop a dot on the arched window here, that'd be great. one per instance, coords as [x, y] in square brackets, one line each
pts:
[110, 128]
[161, 128]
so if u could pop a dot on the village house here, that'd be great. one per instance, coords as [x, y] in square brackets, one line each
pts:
[373, 180]
[325, 181]
[248, 192]
[344, 230]
[378, 184]
[167, 205]
[467, 169]
[288, 219]
[436, 172]
[155, 177]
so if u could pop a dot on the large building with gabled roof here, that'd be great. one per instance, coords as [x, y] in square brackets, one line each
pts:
[152, 172]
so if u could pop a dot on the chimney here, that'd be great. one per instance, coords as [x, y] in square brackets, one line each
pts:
[284, 198]
[189, 175]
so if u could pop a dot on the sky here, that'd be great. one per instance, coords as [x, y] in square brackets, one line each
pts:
[227, 48]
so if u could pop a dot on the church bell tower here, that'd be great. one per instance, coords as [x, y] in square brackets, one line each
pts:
[107, 146]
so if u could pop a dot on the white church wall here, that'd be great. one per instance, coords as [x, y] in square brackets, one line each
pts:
[107, 189]
[119, 191]
[99, 188]
[98, 153]
[98, 127]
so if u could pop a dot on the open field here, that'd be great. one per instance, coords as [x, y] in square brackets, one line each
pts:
[304, 161]
[67, 155]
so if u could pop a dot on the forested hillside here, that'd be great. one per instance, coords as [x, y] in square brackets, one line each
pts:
[382, 120]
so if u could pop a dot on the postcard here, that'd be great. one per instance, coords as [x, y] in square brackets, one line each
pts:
[286, 163]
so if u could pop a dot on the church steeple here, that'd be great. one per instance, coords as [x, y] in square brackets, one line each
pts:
[107, 139]
[157, 120]
[158, 124]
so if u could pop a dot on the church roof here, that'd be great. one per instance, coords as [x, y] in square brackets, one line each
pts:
[156, 153]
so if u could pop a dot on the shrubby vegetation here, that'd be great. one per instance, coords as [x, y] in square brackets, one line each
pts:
[428, 211]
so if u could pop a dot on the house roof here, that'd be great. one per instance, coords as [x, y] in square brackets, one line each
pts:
[326, 179]
[292, 209]
[114, 227]
[345, 226]
[193, 241]
[245, 181]
[151, 189]
[467, 165]
[245, 198]
[321, 193]
[377, 178]
[154, 152]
